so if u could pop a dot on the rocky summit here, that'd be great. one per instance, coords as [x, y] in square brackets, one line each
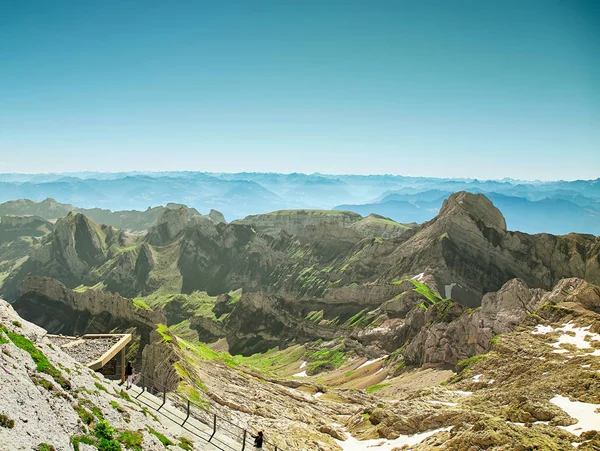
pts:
[325, 329]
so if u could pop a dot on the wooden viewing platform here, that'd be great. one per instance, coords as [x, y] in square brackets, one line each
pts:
[94, 350]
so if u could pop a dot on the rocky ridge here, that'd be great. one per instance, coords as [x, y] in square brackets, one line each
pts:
[129, 220]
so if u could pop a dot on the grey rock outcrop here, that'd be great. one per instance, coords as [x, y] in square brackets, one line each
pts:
[446, 343]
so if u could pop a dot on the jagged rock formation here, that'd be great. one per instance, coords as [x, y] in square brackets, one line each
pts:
[130, 220]
[38, 292]
[468, 250]
[447, 342]
[520, 394]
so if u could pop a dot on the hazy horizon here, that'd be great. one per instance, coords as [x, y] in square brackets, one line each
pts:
[333, 174]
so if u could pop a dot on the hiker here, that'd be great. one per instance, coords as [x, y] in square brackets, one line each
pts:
[258, 440]
[129, 375]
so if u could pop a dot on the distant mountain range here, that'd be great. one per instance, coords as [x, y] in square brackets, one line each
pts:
[557, 207]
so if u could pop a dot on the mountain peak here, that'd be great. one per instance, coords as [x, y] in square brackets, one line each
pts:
[475, 205]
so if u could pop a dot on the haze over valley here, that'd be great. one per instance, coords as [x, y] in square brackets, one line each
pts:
[557, 207]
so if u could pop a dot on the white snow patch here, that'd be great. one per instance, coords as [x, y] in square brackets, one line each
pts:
[368, 362]
[302, 374]
[579, 339]
[303, 365]
[539, 330]
[443, 403]
[583, 412]
[491, 381]
[461, 392]
[524, 424]
[419, 277]
[477, 377]
[379, 371]
[318, 394]
[586, 366]
[560, 351]
[352, 444]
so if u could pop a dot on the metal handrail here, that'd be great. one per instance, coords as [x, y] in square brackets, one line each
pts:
[216, 419]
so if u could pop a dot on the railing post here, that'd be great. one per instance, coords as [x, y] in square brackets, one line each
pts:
[214, 426]
[143, 387]
[164, 398]
[188, 412]
[244, 441]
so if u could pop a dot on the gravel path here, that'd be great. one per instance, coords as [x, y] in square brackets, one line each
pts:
[90, 349]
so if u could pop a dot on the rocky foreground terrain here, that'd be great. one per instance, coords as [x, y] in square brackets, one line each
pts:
[51, 402]
[537, 387]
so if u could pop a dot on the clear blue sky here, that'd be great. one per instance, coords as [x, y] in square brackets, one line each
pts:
[479, 88]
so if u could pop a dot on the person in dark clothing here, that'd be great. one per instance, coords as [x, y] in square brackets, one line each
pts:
[129, 375]
[258, 440]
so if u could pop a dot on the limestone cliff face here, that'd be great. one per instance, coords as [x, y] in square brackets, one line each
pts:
[259, 321]
[158, 358]
[68, 253]
[477, 207]
[171, 224]
[219, 258]
[49, 304]
[39, 295]
[446, 343]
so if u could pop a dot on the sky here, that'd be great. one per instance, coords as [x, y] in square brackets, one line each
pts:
[447, 88]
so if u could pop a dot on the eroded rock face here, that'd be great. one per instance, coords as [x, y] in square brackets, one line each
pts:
[40, 295]
[446, 343]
